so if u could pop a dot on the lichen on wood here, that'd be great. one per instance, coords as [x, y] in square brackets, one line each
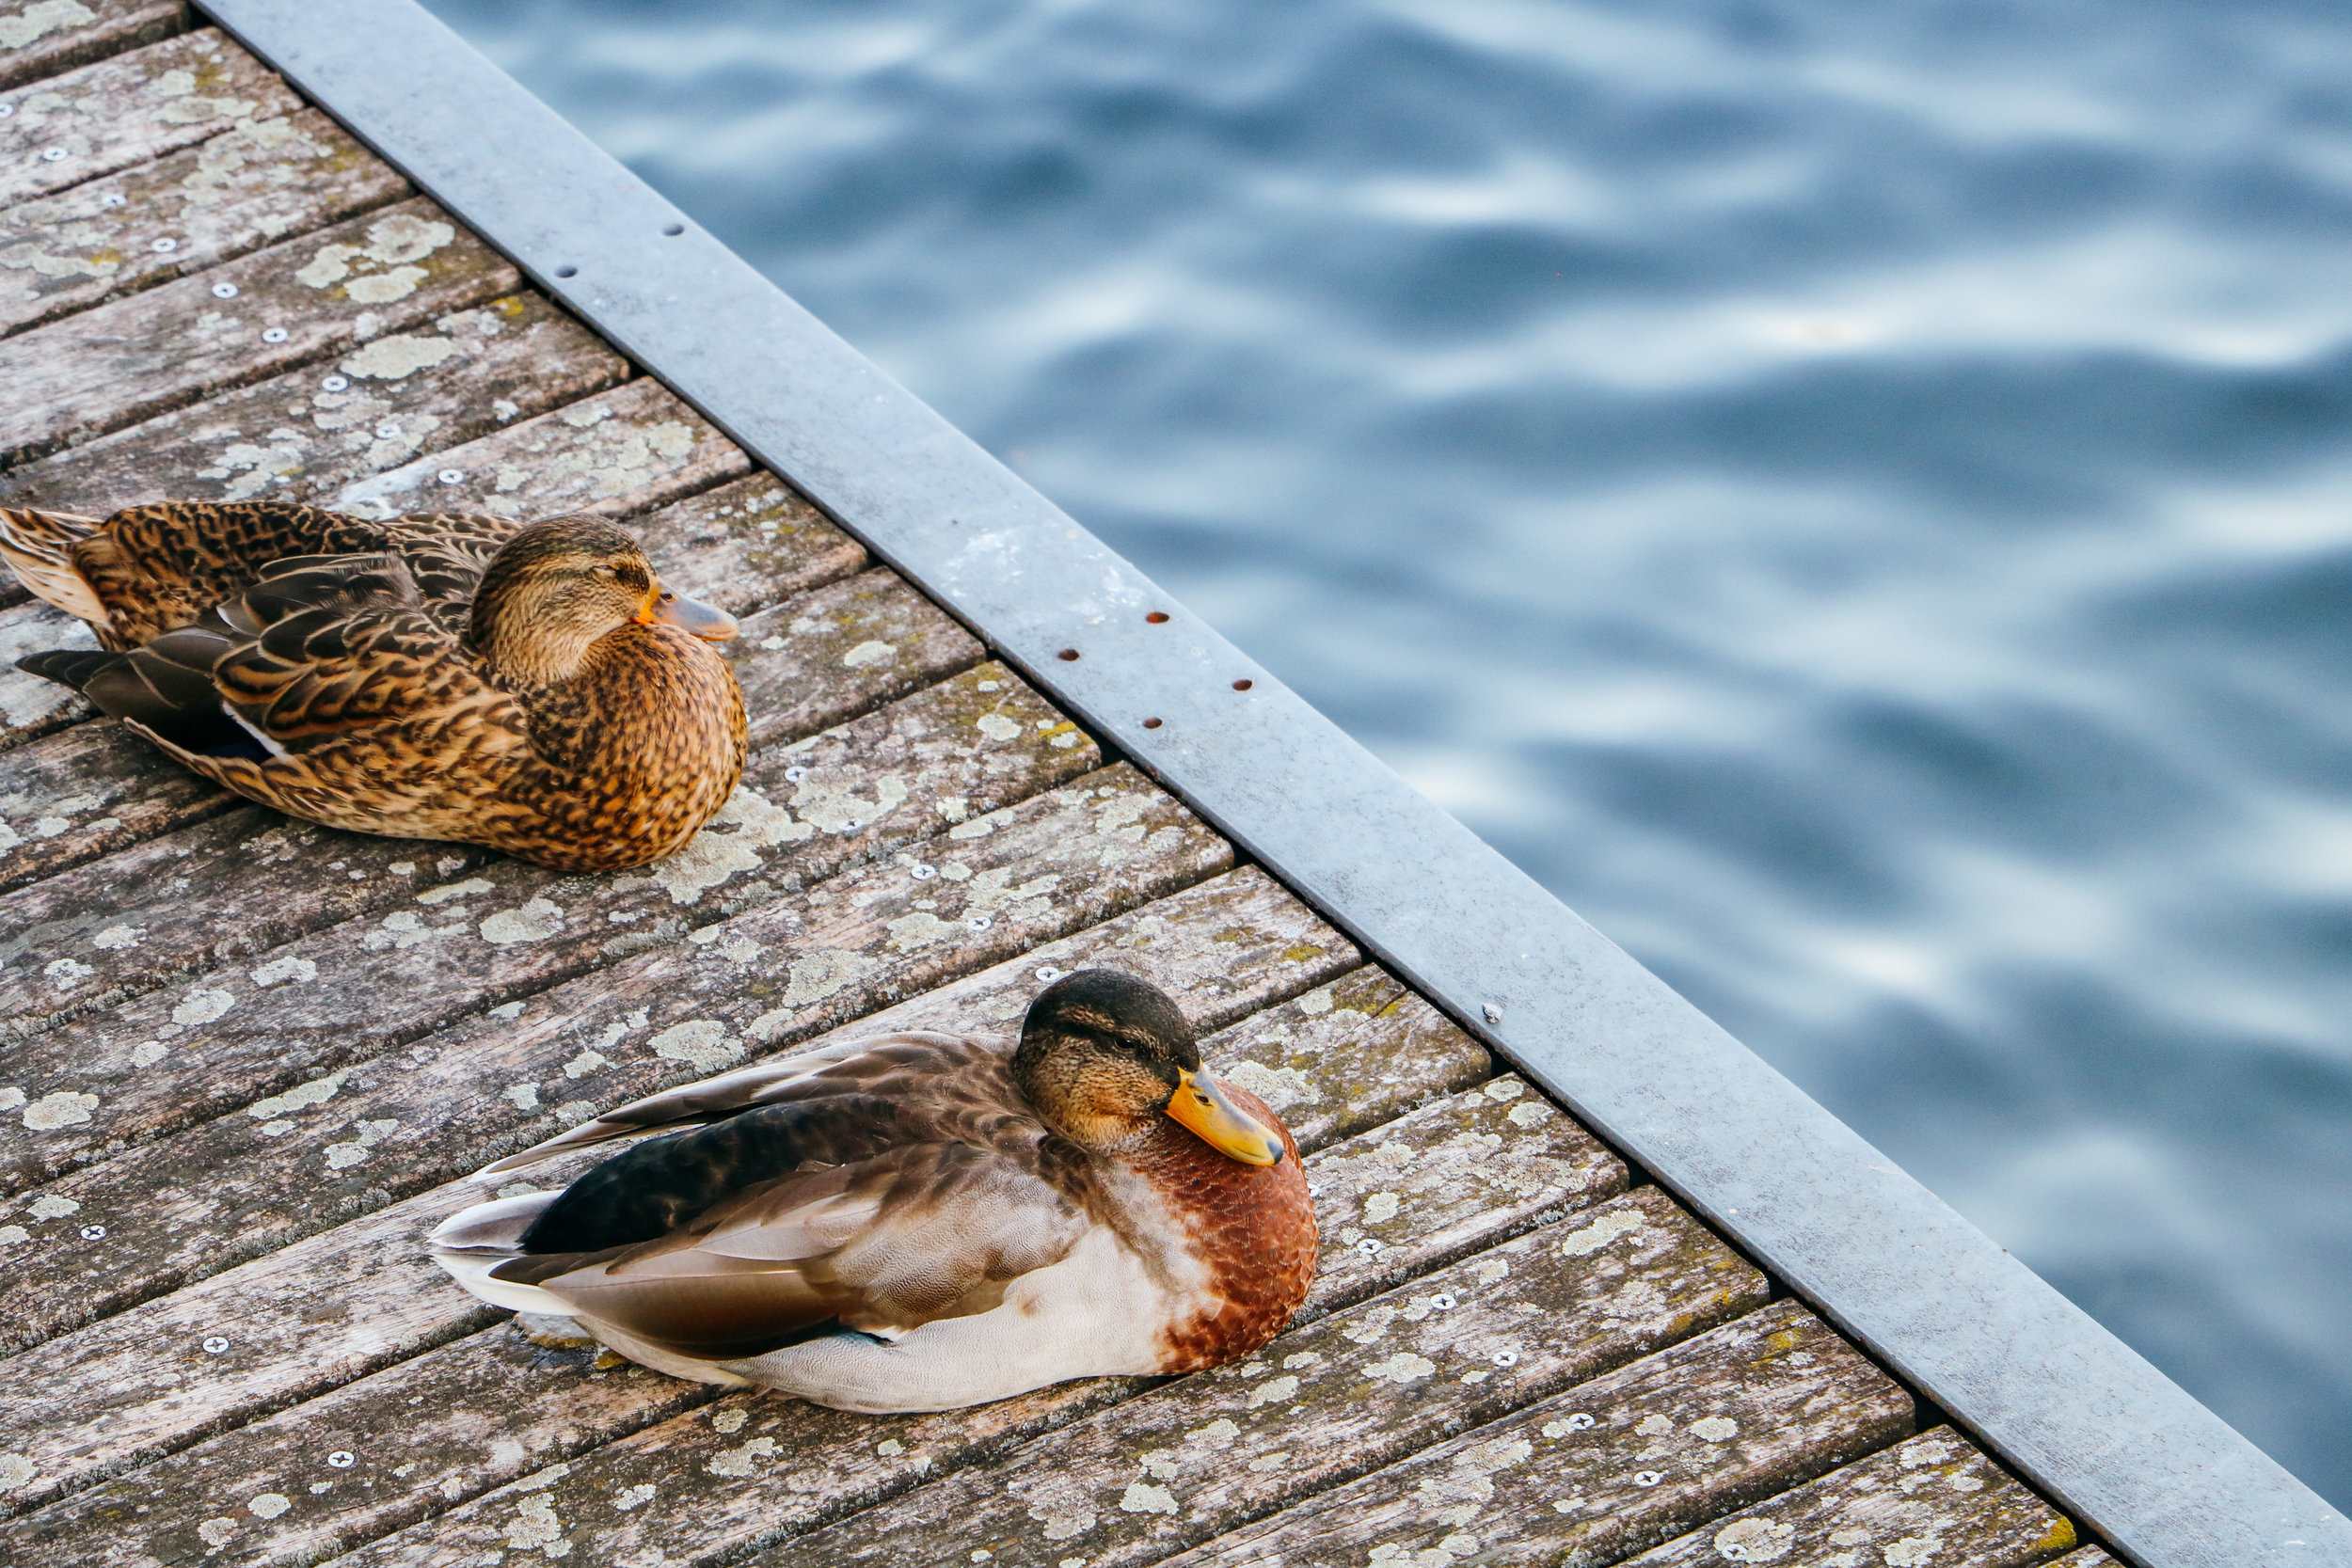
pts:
[310, 432]
[43, 38]
[1933, 1498]
[31, 707]
[92, 789]
[869, 635]
[131, 109]
[358, 1461]
[614, 454]
[1584, 1477]
[249, 187]
[321, 296]
[746, 545]
[1346, 1057]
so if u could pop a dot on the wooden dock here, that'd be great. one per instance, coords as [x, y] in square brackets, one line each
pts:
[248, 1062]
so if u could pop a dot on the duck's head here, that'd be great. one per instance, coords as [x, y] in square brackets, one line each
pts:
[556, 588]
[1103, 1056]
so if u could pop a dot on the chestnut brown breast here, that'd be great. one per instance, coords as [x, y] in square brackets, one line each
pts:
[1254, 1229]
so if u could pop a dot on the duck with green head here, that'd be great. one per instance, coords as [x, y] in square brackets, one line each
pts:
[530, 687]
[920, 1221]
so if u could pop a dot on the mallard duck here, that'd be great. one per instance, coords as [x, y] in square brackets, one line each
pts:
[922, 1220]
[533, 689]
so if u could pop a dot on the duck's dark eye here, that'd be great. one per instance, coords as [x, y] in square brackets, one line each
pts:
[609, 574]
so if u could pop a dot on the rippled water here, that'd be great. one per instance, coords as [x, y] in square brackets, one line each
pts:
[1857, 499]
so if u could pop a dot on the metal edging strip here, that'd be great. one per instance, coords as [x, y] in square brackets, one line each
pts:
[2016, 1364]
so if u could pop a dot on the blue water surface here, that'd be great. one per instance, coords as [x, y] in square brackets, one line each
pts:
[1855, 498]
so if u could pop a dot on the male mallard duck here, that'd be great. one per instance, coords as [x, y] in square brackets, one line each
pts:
[922, 1220]
[459, 677]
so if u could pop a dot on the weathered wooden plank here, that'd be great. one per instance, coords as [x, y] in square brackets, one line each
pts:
[818, 660]
[131, 109]
[746, 544]
[111, 929]
[1933, 1498]
[401, 393]
[422, 1435]
[1348, 1056]
[483, 1411]
[207, 1045]
[180, 214]
[230, 1188]
[90, 790]
[2089, 1557]
[1324, 1402]
[614, 454]
[328, 293]
[1230, 947]
[231, 887]
[43, 38]
[404, 392]
[1643, 1452]
[286, 1327]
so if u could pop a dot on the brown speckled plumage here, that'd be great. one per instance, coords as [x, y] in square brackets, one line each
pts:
[429, 677]
[906, 1223]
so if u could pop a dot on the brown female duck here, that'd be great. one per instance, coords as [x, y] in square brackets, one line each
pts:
[922, 1221]
[533, 689]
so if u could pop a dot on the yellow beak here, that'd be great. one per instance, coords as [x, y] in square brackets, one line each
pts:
[708, 622]
[1200, 1105]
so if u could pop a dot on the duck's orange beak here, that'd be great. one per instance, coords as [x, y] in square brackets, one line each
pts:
[708, 622]
[1200, 1104]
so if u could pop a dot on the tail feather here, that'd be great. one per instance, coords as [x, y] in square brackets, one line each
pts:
[72, 667]
[38, 545]
[167, 686]
[475, 1241]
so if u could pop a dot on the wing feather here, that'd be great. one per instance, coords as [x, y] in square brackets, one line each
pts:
[909, 1236]
[337, 643]
[876, 1184]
